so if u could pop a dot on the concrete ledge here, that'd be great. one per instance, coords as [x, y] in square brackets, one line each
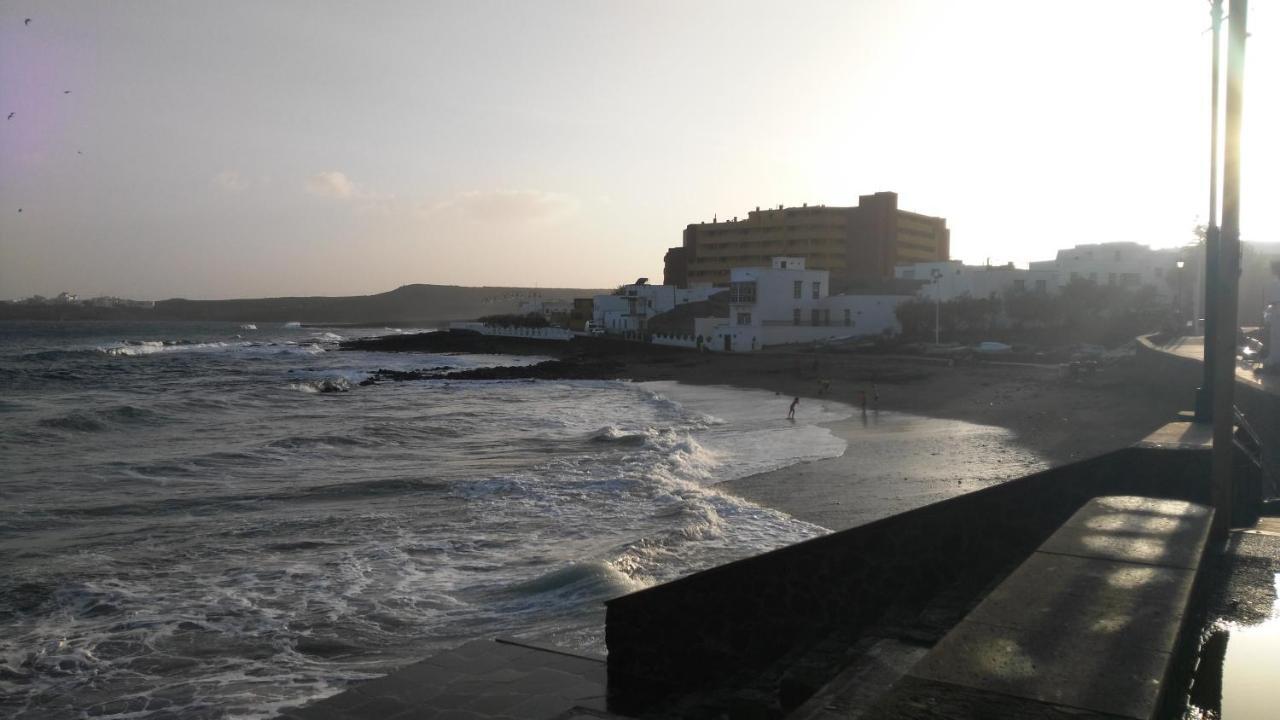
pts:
[482, 680]
[1087, 626]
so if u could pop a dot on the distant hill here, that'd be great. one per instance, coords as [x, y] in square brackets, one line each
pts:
[407, 304]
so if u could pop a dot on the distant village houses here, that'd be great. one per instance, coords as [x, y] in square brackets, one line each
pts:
[814, 273]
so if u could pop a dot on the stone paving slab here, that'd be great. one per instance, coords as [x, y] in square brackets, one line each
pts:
[1103, 602]
[1043, 665]
[1180, 436]
[1170, 533]
[482, 680]
[917, 698]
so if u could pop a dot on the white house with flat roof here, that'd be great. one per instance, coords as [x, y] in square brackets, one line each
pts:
[627, 310]
[1127, 264]
[787, 303]
[952, 279]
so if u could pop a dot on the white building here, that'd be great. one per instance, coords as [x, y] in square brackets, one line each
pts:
[786, 303]
[1127, 264]
[952, 279]
[628, 310]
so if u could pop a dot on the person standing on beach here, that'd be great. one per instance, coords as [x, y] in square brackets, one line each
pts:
[791, 414]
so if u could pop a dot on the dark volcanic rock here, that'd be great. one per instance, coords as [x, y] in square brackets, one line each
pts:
[452, 341]
[572, 369]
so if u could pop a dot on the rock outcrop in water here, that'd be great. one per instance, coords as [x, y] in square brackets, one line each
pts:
[572, 369]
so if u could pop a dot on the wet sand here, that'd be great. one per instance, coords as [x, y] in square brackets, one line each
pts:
[894, 462]
[937, 432]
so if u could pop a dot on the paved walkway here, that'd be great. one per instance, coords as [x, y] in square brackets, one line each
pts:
[1193, 347]
[482, 680]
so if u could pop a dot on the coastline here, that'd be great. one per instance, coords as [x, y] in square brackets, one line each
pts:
[1016, 419]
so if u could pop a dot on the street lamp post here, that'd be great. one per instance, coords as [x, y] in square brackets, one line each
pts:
[1212, 237]
[937, 303]
[1178, 309]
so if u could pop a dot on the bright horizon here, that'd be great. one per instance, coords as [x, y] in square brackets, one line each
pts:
[251, 150]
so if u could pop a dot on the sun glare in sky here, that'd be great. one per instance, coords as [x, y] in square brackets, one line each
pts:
[247, 149]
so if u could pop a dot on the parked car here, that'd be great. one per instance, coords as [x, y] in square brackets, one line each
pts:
[991, 347]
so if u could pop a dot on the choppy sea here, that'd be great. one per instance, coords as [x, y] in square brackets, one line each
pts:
[189, 528]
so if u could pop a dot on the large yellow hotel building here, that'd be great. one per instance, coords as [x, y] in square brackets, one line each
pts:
[856, 244]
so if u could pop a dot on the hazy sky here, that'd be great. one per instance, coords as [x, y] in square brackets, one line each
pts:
[231, 149]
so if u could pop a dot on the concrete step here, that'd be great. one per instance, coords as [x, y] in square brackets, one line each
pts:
[481, 680]
[852, 693]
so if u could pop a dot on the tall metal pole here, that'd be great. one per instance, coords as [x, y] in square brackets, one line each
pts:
[937, 304]
[1224, 342]
[1204, 396]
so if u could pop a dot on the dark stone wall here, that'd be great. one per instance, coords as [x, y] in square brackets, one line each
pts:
[723, 627]
[1261, 409]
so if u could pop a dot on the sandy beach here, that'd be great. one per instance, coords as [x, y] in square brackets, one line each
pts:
[1014, 420]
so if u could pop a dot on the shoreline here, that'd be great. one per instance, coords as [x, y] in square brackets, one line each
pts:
[1027, 418]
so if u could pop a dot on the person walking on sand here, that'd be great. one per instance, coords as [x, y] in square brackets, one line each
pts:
[791, 414]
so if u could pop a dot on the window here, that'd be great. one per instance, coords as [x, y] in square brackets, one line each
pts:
[742, 292]
[1130, 279]
[795, 316]
[826, 317]
[1111, 278]
[1159, 272]
[798, 287]
[815, 317]
[817, 289]
[744, 318]
[1019, 284]
[1042, 286]
[784, 267]
[1093, 278]
[1075, 276]
[848, 317]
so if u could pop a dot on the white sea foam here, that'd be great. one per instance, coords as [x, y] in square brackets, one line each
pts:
[134, 348]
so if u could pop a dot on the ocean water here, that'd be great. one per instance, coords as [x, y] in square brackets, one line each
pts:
[190, 528]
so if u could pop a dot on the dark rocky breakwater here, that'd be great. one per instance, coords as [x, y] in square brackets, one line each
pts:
[573, 369]
[579, 359]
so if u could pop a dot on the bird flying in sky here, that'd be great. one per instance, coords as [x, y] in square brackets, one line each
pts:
[10, 116]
